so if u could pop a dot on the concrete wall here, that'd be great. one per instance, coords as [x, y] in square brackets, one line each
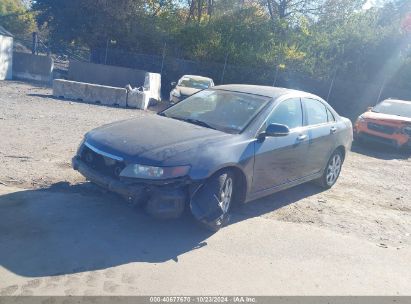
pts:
[105, 74]
[91, 93]
[32, 67]
[6, 57]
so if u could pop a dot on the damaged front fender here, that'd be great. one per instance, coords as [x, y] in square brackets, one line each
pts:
[206, 206]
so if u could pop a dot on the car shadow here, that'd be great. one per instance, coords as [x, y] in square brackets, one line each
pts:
[70, 229]
[67, 229]
[380, 151]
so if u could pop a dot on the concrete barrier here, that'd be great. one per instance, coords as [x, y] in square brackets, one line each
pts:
[6, 56]
[107, 75]
[92, 93]
[32, 67]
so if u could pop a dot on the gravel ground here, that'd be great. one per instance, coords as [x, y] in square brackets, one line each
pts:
[39, 135]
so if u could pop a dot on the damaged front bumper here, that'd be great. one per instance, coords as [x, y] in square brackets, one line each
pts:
[404, 141]
[162, 199]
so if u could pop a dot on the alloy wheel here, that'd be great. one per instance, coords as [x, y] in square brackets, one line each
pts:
[333, 169]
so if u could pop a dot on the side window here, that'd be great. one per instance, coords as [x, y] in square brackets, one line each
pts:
[288, 113]
[316, 112]
[330, 116]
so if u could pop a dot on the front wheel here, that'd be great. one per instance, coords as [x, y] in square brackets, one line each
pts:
[212, 202]
[332, 170]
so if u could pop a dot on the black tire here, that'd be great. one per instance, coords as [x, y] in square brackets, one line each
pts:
[211, 213]
[325, 181]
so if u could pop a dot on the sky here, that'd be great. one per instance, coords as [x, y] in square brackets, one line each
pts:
[371, 3]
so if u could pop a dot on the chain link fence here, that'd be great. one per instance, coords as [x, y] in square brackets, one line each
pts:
[350, 98]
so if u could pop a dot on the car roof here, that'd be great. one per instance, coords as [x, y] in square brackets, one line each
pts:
[197, 77]
[273, 92]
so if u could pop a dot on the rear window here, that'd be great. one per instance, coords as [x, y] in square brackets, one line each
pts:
[194, 83]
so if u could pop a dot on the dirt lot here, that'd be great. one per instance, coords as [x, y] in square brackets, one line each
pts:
[371, 203]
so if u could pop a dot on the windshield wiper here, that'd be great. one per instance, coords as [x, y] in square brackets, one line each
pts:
[195, 122]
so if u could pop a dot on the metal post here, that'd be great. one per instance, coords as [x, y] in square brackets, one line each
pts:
[275, 77]
[34, 43]
[105, 59]
[381, 90]
[331, 86]
[162, 61]
[225, 64]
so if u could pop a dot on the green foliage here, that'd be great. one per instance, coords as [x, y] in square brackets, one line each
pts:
[16, 19]
[313, 37]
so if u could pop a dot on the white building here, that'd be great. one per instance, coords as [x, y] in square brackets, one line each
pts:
[6, 54]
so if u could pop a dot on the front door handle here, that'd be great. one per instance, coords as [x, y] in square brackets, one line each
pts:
[302, 137]
[333, 130]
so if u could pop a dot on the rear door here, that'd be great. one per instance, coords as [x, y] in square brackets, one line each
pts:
[279, 160]
[321, 128]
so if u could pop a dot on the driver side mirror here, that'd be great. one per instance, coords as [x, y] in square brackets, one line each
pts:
[173, 84]
[275, 130]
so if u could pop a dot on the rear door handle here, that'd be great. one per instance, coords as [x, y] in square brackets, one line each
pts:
[302, 137]
[333, 130]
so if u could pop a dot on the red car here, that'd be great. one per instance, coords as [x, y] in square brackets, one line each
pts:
[389, 123]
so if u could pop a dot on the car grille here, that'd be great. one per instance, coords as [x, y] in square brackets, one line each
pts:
[381, 128]
[102, 164]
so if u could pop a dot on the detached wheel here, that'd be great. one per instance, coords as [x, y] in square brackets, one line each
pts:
[212, 202]
[332, 170]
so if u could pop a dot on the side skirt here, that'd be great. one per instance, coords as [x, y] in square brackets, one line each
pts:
[256, 195]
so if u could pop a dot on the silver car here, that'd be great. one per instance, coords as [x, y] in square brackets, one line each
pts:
[187, 86]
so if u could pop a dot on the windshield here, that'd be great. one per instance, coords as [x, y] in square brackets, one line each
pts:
[394, 107]
[226, 111]
[194, 83]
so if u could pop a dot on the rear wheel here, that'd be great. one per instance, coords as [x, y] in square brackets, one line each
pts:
[332, 170]
[213, 201]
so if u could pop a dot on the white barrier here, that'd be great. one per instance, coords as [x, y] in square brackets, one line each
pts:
[87, 92]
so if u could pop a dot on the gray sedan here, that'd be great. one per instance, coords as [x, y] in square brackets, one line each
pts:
[224, 145]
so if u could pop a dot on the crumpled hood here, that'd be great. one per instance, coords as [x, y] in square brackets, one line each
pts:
[393, 119]
[153, 140]
[187, 91]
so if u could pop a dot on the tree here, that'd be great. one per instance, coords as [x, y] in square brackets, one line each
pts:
[16, 18]
[310, 37]
[136, 25]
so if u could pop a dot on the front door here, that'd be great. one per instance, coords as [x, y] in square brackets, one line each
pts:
[279, 160]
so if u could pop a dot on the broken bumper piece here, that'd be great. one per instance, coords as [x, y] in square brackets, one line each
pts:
[161, 201]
